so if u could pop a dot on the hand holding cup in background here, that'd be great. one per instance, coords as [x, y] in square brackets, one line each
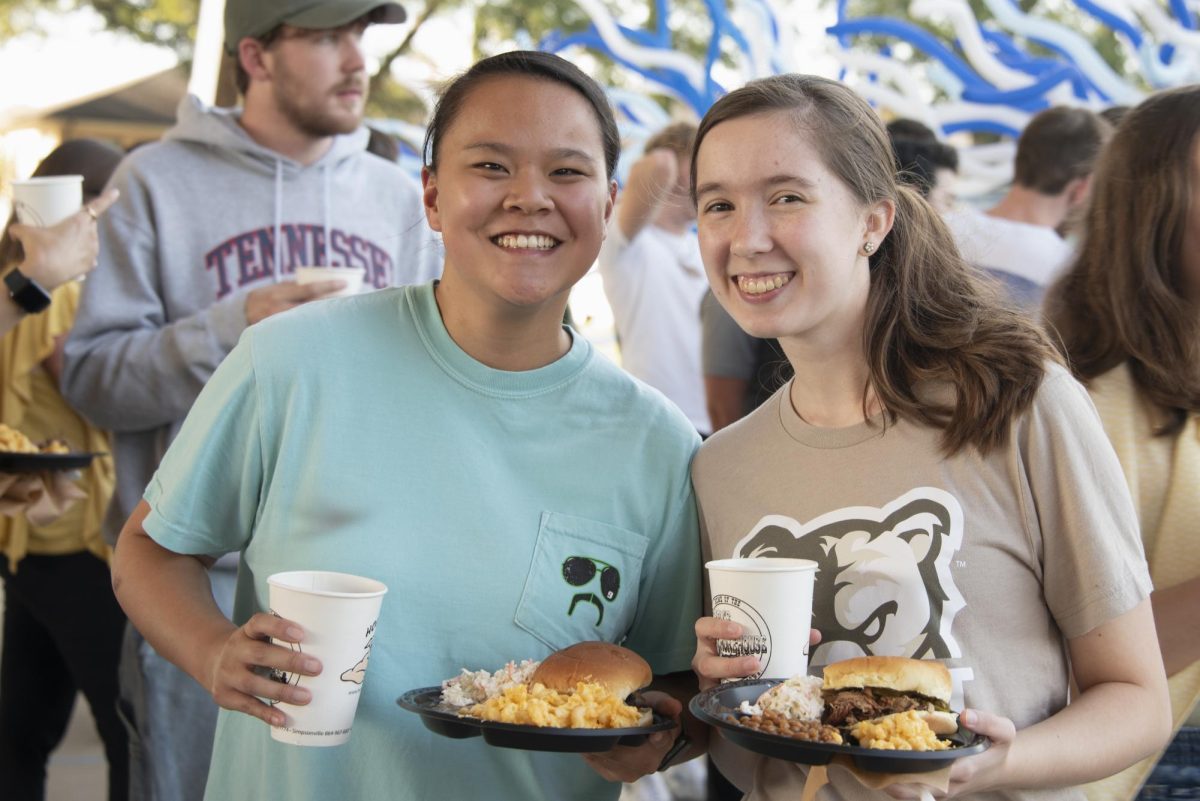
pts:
[65, 250]
[352, 277]
[47, 201]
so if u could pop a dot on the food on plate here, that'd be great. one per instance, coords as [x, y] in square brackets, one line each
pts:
[870, 687]
[580, 687]
[880, 701]
[791, 709]
[798, 698]
[903, 731]
[13, 441]
[771, 722]
[476, 686]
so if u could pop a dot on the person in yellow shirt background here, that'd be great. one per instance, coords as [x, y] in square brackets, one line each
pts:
[1128, 315]
[62, 625]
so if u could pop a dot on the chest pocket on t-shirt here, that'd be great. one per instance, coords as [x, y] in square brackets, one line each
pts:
[583, 581]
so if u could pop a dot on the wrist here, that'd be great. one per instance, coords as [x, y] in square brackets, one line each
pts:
[25, 292]
[675, 751]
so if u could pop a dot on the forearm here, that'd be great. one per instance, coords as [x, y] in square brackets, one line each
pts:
[645, 191]
[128, 378]
[1175, 617]
[1078, 745]
[168, 598]
[1122, 713]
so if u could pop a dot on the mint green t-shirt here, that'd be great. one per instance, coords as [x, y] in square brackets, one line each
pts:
[354, 435]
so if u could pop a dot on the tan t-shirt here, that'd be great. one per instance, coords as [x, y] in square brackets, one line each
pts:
[986, 563]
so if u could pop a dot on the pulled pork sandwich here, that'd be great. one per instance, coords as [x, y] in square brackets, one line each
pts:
[870, 687]
[584, 686]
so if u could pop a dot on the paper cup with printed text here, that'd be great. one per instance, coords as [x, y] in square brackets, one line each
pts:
[338, 613]
[771, 599]
[353, 276]
[48, 200]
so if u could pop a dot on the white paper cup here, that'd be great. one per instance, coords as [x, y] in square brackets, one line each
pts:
[338, 613]
[353, 276]
[772, 601]
[47, 201]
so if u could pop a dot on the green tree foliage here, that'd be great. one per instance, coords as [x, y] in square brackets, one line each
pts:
[170, 23]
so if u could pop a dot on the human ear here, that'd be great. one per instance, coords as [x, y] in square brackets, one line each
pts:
[878, 222]
[429, 198]
[1077, 190]
[609, 204]
[252, 56]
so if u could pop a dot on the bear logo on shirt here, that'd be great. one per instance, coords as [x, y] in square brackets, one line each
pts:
[883, 583]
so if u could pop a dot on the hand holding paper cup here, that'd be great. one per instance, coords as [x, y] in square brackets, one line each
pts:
[338, 613]
[771, 599]
[352, 276]
[48, 200]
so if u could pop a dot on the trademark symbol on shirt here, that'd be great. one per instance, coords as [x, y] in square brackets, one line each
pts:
[959, 563]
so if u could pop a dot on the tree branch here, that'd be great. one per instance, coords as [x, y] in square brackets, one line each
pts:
[385, 67]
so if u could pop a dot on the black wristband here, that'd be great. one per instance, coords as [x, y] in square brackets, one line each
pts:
[25, 292]
[681, 742]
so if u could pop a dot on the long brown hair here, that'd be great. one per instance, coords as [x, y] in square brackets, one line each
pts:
[930, 317]
[1124, 297]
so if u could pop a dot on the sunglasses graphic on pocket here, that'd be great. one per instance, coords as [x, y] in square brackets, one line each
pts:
[581, 570]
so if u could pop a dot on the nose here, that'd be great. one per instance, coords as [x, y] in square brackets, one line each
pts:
[353, 58]
[751, 235]
[528, 192]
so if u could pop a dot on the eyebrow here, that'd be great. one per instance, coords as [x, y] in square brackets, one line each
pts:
[774, 180]
[557, 153]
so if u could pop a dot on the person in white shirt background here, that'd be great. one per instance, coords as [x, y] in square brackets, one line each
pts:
[653, 278]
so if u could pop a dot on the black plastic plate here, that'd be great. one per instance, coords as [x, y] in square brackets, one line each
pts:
[426, 702]
[37, 462]
[719, 707]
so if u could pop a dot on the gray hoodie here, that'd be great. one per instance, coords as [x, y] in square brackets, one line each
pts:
[205, 216]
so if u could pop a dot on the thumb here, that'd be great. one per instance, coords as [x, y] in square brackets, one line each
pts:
[996, 728]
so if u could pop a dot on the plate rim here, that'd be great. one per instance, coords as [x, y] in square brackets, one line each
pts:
[659, 722]
[855, 752]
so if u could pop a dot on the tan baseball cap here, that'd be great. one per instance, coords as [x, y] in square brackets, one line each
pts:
[255, 17]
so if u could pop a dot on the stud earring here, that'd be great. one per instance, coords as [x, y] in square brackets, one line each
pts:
[869, 248]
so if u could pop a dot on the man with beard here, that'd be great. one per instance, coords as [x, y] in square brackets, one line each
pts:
[213, 222]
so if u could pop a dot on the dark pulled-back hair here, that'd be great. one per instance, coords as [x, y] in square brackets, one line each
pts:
[1058, 146]
[528, 64]
[1124, 297]
[929, 317]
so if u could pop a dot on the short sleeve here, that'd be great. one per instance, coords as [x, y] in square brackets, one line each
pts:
[669, 599]
[204, 495]
[1093, 565]
[726, 350]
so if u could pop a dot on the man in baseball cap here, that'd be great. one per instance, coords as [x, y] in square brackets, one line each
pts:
[254, 18]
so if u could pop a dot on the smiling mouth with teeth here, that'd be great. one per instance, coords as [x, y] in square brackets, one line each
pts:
[525, 241]
[758, 285]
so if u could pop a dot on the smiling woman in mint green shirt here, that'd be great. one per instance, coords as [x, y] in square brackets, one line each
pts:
[515, 490]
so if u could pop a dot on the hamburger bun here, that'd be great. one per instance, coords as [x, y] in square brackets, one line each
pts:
[895, 673]
[618, 670]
